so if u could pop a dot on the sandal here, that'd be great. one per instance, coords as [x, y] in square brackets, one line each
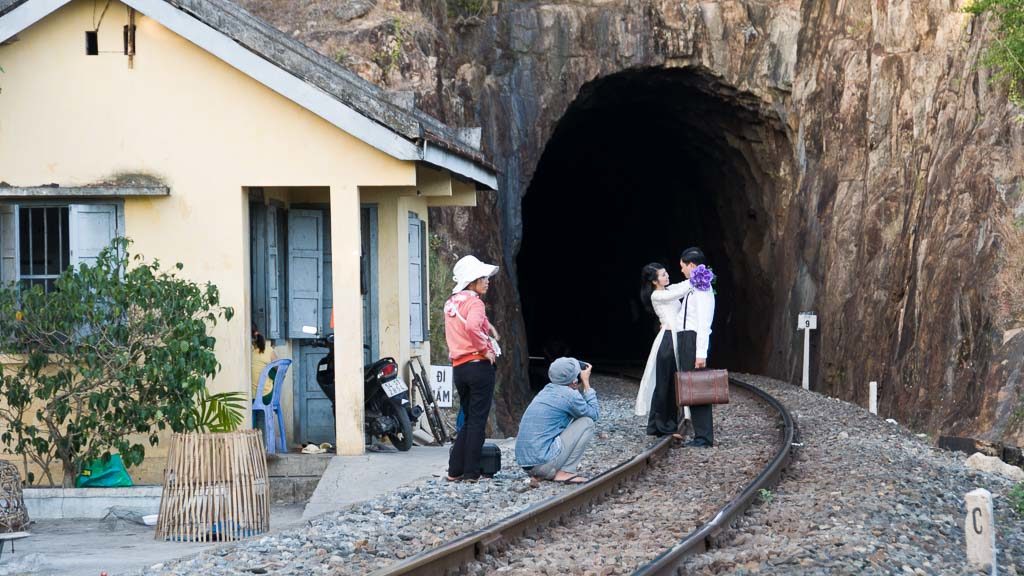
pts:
[574, 479]
[453, 478]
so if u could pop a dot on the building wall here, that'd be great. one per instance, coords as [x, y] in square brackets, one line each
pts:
[207, 131]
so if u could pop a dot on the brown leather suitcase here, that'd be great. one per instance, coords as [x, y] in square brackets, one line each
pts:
[699, 387]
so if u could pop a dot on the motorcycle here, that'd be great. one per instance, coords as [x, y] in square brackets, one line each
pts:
[386, 407]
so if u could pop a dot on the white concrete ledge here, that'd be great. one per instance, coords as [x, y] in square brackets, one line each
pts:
[111, 191]
[60, 503]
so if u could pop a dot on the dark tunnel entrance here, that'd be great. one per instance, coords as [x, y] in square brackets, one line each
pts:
[643, 164]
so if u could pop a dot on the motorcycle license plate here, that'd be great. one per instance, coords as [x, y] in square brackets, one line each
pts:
[394, 387]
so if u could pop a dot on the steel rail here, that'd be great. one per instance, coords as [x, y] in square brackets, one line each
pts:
[451, 556]
[465, 549]
[700, 539]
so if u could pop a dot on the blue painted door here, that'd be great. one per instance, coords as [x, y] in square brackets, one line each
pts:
[305, 271]
[314, 421]
[306, 287]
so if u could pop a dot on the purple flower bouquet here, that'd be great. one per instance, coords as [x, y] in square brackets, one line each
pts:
[701, 278]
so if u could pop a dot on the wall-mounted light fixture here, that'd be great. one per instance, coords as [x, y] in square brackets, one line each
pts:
[92, 43]
[129, 38]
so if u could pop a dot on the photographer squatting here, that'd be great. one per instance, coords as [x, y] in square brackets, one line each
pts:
[559, 424]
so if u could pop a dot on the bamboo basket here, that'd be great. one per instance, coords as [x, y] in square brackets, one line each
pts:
[216, 488]
[13, 514]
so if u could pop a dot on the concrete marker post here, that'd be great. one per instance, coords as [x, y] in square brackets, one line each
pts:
[979, 529]
[873, 397]
[807, 321]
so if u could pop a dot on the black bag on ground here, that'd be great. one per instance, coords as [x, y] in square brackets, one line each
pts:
[490, 459]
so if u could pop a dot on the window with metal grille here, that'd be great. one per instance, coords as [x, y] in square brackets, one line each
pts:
[41, 239]
[44, 245]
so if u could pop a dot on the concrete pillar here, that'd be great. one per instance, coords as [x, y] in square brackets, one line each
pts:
[980, 530]
[348, 320]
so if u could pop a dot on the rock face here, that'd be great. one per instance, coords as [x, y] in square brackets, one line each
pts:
[877, 174]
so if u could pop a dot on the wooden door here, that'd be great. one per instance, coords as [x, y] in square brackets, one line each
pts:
[315, 423]
[314, 420]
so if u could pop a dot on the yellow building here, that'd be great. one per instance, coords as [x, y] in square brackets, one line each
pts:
[212, 139]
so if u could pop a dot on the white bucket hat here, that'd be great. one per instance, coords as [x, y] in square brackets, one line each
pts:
[468, 269]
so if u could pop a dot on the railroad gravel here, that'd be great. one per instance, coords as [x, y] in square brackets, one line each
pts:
[373, 534]
[862, 496]
[641, 520]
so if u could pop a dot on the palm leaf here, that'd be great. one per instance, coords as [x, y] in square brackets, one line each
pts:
[221, 412]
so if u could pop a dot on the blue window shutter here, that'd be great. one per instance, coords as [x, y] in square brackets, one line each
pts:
[425, 294]
[327, 294]
[305, 269]
[416, 328]
[258, 265]
[91, 227]
[8, 243]
[272, 271]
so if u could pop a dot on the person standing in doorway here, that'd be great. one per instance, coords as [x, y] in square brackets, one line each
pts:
[657, 395]
[262, 354]
[473, 353]
[694, 334]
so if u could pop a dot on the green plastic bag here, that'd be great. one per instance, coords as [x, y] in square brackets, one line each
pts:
[100, 474]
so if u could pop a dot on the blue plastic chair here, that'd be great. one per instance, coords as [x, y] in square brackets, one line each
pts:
[274, 408]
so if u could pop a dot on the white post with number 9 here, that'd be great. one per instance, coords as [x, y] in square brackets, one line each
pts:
[807, 321]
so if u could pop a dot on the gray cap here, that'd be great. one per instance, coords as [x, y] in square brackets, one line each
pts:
[564, 371]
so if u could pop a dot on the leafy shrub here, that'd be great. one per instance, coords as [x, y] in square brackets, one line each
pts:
[389, 55]
[118, 351]
[1006, 55]
[1016, 498]
[465, 8]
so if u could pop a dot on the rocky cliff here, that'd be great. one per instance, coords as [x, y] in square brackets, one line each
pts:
[845, 156]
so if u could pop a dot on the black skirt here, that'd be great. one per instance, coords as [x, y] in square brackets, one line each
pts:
[663, 418]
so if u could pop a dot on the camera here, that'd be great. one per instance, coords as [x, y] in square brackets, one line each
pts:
[583, 365]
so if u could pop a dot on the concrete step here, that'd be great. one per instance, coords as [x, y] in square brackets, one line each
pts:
[294, 477]
[298, 465]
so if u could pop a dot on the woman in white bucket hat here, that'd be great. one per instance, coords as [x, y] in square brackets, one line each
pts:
[473, 353]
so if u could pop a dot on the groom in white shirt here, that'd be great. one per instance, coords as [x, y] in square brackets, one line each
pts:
[694, 326]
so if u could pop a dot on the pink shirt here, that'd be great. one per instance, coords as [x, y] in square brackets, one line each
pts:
[469, 335]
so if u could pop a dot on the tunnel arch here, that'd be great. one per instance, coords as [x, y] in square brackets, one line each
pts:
[642, 164]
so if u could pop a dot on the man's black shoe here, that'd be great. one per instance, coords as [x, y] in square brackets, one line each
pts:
[697, 444]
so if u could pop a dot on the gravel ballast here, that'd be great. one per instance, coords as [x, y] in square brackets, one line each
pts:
[381, 531]
[861, 496]
[681, 491]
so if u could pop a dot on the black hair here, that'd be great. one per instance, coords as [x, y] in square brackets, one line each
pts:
[258, 340]
[648, 275]
[693, 255]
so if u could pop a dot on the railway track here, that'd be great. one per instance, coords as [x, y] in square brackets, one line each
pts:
[502, 536]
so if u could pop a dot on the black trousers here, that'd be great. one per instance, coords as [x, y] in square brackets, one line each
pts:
[474, 383]
[701, 416]
[663, 418]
